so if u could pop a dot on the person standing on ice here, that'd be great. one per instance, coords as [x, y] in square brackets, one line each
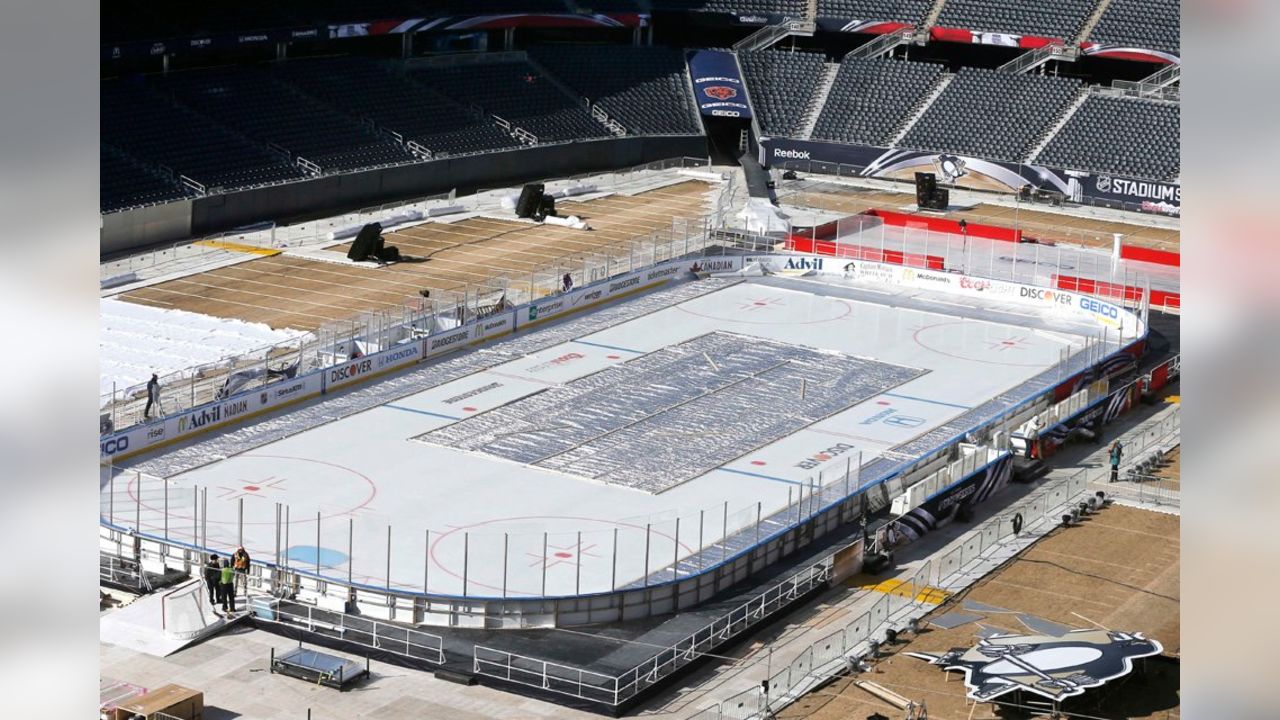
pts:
[153, 395]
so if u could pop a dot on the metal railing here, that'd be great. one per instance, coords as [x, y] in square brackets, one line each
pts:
[841, 650]
[884, 44]
[615, 690]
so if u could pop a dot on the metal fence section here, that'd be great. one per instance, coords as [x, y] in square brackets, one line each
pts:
[576, 682]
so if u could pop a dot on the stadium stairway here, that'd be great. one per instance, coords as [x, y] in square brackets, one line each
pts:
[919, 112]
[1092, 22]
[818, 100]
[600, 117]
[1058, 125]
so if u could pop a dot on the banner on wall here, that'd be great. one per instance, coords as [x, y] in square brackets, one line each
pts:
[962, 171]
[717, 84]
[211, 415]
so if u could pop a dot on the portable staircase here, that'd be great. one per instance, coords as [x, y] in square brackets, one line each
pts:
[1028, 61]
[769, 34]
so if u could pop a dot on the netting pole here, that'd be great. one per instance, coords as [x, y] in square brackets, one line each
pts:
[466, 552]
[388, 556]
[701, 521]
[426, 560]
[195, 516]
[240, 523]
[286, 535]
[544, 563]
[277, 555]
[166, 508]
[577, 570]
[790, 490]
[351, 560]
[111, 498]
[504, 565]
[759, 507]
[137, 506]
[647, 527]
[675, 553]
[613, 573]
[317, 544]
[204, 518]
[724, 533]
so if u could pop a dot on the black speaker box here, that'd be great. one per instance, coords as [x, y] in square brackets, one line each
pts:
[530, 197]
[367, 243]
[926, 185]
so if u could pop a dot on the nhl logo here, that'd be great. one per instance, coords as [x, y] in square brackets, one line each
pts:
[720, 92]
[1104, 183]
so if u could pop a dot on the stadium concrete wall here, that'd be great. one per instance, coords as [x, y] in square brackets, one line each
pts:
[201, 216]
[145, 226]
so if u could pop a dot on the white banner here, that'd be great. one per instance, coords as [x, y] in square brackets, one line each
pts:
[361, 368]
[449, 341]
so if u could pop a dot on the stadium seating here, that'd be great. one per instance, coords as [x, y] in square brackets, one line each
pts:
[1048, 18]
[646, 89]
[1148, 24]
[792, 8]
[992, 114]
[126, 183]
[365, 88]
[871, 98]
[1122, 136]
[907, 11]
[519, 94]
[248, 100]
[781, 85]
[153, 129]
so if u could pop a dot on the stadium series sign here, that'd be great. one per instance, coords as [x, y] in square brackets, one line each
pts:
[1149, 196]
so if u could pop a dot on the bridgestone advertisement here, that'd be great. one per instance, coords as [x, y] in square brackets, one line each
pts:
[1147, 196]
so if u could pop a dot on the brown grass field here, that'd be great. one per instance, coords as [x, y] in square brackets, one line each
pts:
[1119, 569]
[284, 291]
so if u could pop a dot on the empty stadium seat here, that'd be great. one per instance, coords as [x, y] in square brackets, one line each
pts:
[907, 11]
[871, 98]
[781, 85]
[519, 94]
[367, 88]
[791, 8]
[646, 89]
[251, 102]
[153, 129]
[126, 183]
[1121, 136]
[1147, 24]
[1048, 18]
[992, 114]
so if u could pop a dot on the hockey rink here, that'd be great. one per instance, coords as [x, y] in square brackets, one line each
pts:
[589, 464]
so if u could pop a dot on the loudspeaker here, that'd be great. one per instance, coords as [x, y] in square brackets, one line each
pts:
[530, 197]
[940, 199]
[368, 242]
[546, 206]
[926, 185]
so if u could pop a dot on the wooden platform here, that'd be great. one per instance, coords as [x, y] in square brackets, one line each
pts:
[284, 291]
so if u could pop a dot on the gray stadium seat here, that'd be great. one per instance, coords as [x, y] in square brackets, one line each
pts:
[781, 85]
[1120, 136]
[1049, 18]
[992, 114]
[907, 11]
[871, 98]
[1147, 24]
[646, 89]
